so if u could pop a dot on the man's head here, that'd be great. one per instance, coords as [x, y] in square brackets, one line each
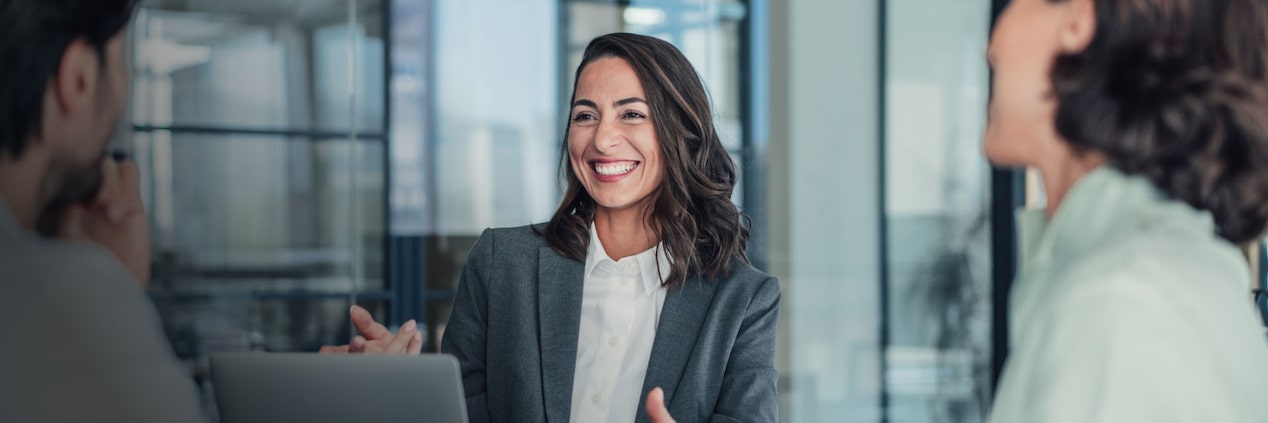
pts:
[63, 88]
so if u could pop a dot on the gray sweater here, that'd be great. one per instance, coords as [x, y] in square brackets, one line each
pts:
[81, 341]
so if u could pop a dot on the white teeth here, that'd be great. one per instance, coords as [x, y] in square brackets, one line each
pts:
[614, 169]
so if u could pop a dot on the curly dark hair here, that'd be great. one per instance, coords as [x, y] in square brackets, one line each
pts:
[34, 35]
[700, 227]
[1176, 91]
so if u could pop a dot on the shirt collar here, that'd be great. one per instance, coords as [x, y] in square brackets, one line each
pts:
[653, 264]
[1098, 207]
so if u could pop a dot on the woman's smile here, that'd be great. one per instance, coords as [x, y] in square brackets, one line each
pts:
[608, 171]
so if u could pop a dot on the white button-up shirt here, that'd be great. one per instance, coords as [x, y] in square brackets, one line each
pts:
[620, 308]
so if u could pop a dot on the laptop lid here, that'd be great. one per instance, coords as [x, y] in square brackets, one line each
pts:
[305, 387]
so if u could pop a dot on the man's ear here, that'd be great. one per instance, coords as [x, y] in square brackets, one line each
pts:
[74, 84]
[1078, 26]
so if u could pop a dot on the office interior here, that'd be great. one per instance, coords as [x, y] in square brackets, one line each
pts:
[300, 156]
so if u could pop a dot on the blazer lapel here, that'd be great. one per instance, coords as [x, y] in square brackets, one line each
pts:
[680, 320]
[559, 285]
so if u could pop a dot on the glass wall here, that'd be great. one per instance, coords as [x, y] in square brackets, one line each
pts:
[259, 127]
[937, 202]
[490, 155]
[824, 207]
[879, 209]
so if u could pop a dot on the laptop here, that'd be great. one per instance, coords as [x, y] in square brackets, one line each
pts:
[305, 387]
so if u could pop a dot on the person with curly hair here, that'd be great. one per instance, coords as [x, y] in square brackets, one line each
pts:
[1148, 123]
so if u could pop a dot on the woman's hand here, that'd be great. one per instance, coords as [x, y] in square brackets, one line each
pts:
[656, 407]
[376, 339]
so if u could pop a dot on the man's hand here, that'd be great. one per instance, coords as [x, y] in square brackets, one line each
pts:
[376, 339]
[115, 219]
[656, 407]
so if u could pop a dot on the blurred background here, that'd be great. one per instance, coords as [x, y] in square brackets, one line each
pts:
[300, 156]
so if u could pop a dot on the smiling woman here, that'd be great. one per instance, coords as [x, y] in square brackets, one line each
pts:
[636, 301]
[672, 123]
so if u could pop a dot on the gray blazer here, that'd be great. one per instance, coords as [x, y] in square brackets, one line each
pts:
[518, 311]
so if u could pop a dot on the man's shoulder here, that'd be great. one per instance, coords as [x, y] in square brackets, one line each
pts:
[86, 323]
[60, 277]
[79, 286]
[54, 262]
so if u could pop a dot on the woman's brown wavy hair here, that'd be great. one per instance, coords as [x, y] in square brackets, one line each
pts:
[1177, 91]
[700, 228]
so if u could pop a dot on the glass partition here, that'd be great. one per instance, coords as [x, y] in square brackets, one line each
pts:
[259, 128]
[936, 215]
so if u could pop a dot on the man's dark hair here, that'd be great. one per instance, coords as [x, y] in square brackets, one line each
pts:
[34, 34]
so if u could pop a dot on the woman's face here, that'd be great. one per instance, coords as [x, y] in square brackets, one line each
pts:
[1026, 41]
[612, 143]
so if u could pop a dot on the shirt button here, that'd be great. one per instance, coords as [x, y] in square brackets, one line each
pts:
[612, 342]
[595, 399]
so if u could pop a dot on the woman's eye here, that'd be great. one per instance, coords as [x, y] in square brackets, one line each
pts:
[633, 115]
[583, 118]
